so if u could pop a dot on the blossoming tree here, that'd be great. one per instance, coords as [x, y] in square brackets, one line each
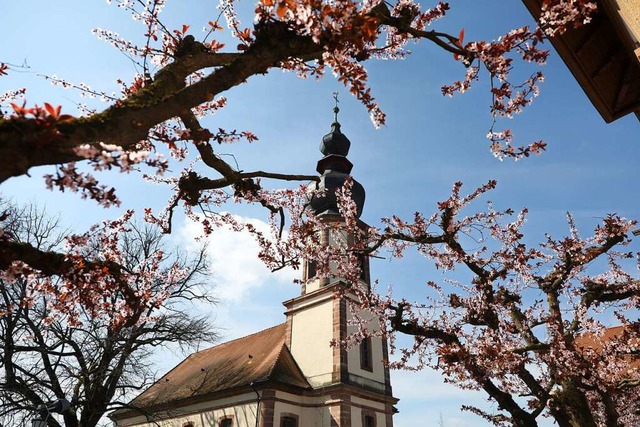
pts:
[56, 343]
[159, 110]
[483, 335]
[528, 325]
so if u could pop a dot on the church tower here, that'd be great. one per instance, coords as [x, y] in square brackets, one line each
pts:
[355, 381]
[287, 375]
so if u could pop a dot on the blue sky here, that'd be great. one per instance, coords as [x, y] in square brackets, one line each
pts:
[429, 142]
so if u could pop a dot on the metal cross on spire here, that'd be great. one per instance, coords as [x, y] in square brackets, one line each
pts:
[336, 110]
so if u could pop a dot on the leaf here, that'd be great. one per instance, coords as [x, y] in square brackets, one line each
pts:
[215, 46]
[282, 9]
[16, 107]
[21, 110]
[244, 34]
[461, 37]
[185, 28]
[54, 112]
[65, 118]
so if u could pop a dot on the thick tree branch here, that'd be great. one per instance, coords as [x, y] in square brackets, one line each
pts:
[23, 144]
[402, 23]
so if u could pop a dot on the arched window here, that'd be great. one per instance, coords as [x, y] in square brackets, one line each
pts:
[366, 357]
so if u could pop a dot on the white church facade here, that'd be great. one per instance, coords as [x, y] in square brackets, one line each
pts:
[287, 375]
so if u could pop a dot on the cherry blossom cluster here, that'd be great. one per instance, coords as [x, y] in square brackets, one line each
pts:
[68, 177]
[228, 10]
[344, 29]
[94, 281]
[529, 321]
[102, 157]
[332, 25]
[209, 108]
[11, 95]
[429, 16]
[120, 43]
[558, 16]
[495, 57]
[348, 33]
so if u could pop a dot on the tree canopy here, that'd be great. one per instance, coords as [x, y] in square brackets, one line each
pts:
[156, 125]
[93, 356]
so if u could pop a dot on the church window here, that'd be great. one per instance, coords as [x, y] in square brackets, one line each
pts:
[289, 421]
[311, 269]
[188, 424]
[368, 419]
[363, 260]
[366, 362]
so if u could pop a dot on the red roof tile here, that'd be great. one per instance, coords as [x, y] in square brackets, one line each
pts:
[259, 357]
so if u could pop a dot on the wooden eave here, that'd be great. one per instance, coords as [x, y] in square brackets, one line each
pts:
[602, 56]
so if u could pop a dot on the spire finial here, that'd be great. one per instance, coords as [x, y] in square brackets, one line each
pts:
[334, 168]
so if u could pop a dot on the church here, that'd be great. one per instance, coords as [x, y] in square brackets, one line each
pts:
[287, 375]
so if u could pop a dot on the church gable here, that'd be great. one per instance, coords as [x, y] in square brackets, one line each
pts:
[257, 358]
[286, 370]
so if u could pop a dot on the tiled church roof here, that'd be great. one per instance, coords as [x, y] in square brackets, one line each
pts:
[260, 357]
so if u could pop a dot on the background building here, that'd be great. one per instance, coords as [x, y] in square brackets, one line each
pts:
[604, 56]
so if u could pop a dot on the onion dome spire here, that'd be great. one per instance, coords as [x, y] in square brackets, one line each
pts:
[334, 168]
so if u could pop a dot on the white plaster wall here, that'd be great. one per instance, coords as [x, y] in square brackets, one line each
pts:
[312, 285]
[204, 414]
[281, 408]
[308, 416]
[380, 406]
[311, 334]
[353, 355]
[309, 409]
[319, 416]
[630, 12]
[356, 418]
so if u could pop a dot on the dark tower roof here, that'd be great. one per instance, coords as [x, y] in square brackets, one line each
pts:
[334, 168]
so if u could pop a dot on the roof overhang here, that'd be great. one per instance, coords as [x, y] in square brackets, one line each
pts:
[604, 56]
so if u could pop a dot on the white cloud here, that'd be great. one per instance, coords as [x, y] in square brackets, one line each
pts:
[236, 270]
[250, 295]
